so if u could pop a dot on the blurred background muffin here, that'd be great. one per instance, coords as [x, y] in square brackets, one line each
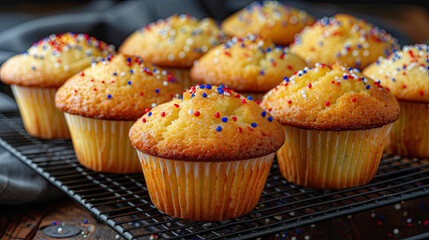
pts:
[36, 74]
[405, 73]
[251, 65]
[174, 43]
[336, 122]
[344, 39]
[217, 149]
[272, 19]
[102, 102]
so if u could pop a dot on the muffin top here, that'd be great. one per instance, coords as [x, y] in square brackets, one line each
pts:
[269, 18]
[174, 42]
[345, 39]
[117, 88]
[52, 60]
[250, 64]
[405, 73]
[337, 98]
[210, 123]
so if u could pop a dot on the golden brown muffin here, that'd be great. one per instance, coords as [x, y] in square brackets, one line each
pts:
[118, 88]
[343, 38]
[272, 19]
[173, 42]
[36, 74]
[52, 60]
[406, 74]
[249, 64]
[103, 101]
[212, 151]
[336, 122]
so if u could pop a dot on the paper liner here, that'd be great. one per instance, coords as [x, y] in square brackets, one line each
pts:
[40, 116]
[410, 134]
[103, 145]
[182, 75]
[331, 159]
[205, 191]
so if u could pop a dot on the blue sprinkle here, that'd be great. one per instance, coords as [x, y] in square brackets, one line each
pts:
[344, 77]
[368, 86]
[261, 72]
[208, 86]
[85, 221]
[201, 86]
[157, 90]
[350, 69]
[128, 59]
[270, 119]
[114, 74]
[33, 68]
[109, 96]
[250, 98]
[129, 82]
[381, 217]
[254, 125]
[54, 223]
[193, 95]
[268, 49]
[224, 119]
[131, 71]
[218, 129]
[298, 231]
[149, 114]
[221, 86]
[393, 79]
[286, 79]
[264, 114]
[204, 95]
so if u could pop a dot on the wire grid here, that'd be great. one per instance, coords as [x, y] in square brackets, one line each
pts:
[122, 201]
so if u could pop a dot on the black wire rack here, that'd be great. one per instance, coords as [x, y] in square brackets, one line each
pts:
[122, 200]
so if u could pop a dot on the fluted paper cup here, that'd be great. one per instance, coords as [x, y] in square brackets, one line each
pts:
[40, 116]
[182, 75]
[103, 145]
[205, 191]
[410, 134]
[331, 159]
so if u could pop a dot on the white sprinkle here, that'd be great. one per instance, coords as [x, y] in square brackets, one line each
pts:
[153, 105]
[66, 67]
[396, 231]
[170, 57]
[215, 60]
[186, 48]
[372, 215]
[313, 225]
[409, 220]
[122, 74]
[293, 20]
[181, 55]
[293, 238]
[355, 53]
[292, 214]
[165, 83]
[204, 48]
[365, 45]
[189, 41]
[307, 237]
[191, 112]
[57, 65]
[366, 53]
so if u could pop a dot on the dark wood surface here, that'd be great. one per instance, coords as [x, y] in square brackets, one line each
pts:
[410, 218]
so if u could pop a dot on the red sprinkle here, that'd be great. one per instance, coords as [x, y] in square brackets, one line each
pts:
[251, 129]
[425, 222]
[243, 100]
[421, 93]
[227, 53]
[75, 90]
[147, 110]
[290, 101]
[257, 102]
[92, 80]
[354, 99]
[176, 105]
[144, 120]
[379, 223]
[82, 74]
[141, 93]
[197, 114]
[102, 81]
[309, 85]
[95, 89]
[162, 114]
[403, 86]
[234, 118]
[217, 115]
[237, 95]
[239, 129]
[327, 104]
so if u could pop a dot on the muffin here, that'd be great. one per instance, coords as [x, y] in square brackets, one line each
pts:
[272, 19]
[174, 43]
[336, 122]
[251, 65]
[345, 39]
[35, 76]
[405, 74]
[206, 157]
[102, 102]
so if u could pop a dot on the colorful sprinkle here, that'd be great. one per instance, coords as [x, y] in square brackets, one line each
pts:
[225, 119]
[218, 128]
[270, 119]
[254, 125]
[204, 95]
[162, 114]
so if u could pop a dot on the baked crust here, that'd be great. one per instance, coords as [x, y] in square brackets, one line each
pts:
[405, 73]
[173, 42]
[119, 88]
[251, 64]
[194, 129]
[269, 18]
[345, 39]
[334, 99]
[52, 60]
